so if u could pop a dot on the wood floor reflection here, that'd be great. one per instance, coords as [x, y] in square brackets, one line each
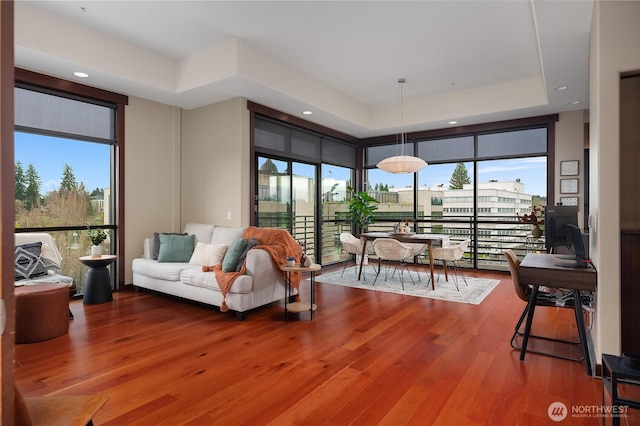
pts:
[366, 358]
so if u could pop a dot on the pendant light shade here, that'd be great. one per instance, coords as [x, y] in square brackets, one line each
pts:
[401, 164]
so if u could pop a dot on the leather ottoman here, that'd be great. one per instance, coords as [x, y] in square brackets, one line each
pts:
[42, 312]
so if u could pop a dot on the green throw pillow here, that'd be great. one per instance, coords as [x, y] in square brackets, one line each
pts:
[233, 254]
[176, 248]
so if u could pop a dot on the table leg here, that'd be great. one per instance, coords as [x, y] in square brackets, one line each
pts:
[313, 290]
[431, 267]
[364, 250]
[582, 330]
[527, 328]
[287, 292]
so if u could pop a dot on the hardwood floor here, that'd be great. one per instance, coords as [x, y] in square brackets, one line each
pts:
[367, 358]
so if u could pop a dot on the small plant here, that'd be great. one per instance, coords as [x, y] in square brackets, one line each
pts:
[362, 208]
[97, 236]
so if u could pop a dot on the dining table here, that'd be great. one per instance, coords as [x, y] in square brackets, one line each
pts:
[407, 237]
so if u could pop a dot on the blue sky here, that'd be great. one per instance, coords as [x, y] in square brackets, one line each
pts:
[90, 162]
[532, 172]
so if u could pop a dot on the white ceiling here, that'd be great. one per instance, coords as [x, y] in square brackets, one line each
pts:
[470, 61]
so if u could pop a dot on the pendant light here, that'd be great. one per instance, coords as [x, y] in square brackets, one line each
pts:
[402, 164]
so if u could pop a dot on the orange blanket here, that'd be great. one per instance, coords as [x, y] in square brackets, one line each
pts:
[277, 242]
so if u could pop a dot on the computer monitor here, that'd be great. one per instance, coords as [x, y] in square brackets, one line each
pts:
[556, 219]
[581, 259]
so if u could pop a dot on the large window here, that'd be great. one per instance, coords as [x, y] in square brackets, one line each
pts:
[475, 186]
[67, 152]
[290, 161]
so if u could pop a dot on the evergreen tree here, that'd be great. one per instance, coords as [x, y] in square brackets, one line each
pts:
[68, 183]
[21, 184]
[459, 177]
[32, 191]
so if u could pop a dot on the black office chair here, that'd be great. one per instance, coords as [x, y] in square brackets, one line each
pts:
[544, 299]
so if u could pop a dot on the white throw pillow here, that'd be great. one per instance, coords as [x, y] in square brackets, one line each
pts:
[208, 254]
[202, 231]
[224, 235]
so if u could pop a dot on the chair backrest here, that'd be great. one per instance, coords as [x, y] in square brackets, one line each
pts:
[350, 243]
[391, 249]
[514, 268]
[460, 248]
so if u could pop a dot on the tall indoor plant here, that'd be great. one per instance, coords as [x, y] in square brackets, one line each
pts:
[362, 208]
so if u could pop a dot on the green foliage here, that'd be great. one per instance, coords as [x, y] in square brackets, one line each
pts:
[460, 177]
[68, 183]
[97, 236]
[32, 191]
[362, 208]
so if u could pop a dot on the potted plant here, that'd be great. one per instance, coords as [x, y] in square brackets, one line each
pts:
[536, 219]
[97, 236]
[362, 208]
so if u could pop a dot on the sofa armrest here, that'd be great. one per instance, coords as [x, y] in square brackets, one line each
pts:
[147, 248]
[261, 268]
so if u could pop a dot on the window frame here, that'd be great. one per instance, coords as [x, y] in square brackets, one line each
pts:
[73, 90]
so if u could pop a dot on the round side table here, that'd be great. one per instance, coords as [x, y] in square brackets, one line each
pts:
[300, 307]
[97, 287]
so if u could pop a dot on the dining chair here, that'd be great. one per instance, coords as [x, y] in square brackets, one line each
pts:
[544, 299]
[395, 252]
[353, 247]
[452, 253]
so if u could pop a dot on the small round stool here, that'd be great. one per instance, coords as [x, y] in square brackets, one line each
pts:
[42, 311]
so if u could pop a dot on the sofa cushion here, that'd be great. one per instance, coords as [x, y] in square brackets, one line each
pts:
[251, 244]
[195, 277]
[233, 254]
[223, 235]
[168, 271]
[208, 254]
[156, 242]
[28, 262]
[176, 248]
[202, 231]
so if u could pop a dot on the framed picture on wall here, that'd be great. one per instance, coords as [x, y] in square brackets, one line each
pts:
[568, 186]
[569, 168]
[569, 201]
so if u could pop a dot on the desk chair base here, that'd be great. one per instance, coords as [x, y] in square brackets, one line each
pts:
[517, 333]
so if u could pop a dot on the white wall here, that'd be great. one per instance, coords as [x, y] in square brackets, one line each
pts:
[570, 146]
[152, 174]
[615, 48]
[215, 164]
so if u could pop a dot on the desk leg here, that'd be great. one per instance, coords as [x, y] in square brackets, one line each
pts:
[582, 329]
[527, 328]
[431, 267]
[364, 250]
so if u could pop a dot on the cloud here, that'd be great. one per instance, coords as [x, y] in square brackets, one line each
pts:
[50, 185]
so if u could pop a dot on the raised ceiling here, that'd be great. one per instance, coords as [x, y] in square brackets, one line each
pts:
[469, 61]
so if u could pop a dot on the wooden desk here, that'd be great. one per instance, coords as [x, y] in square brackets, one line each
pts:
[427, 239]
[541, 270]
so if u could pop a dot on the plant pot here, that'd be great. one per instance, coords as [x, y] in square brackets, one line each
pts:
[96, 251]
[536, 232]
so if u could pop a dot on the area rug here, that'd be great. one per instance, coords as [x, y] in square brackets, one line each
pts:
[473, 293]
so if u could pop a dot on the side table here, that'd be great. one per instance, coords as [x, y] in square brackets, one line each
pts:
[97, 288]
[615, 373]
[300, 306]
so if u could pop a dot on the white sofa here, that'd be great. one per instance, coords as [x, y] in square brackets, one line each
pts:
[260, 285]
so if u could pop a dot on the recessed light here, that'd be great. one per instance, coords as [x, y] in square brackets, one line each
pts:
[560, 88]
[453, 122]
[307, 112]
[574, 102]
[81, 74]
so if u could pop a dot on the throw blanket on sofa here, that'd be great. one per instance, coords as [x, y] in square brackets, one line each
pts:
[277, 242]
